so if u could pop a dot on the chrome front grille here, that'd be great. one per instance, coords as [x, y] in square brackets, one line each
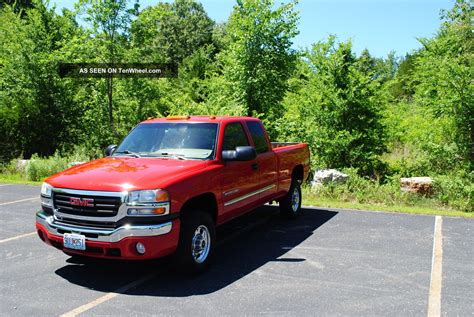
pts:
[86, 205]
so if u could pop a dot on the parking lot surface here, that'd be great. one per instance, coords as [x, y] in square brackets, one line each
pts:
[327, 262]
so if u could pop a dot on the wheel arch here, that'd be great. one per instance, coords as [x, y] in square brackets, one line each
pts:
[298, 173]
[205, 202]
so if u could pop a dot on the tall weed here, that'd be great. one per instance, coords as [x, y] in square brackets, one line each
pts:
[453, 191]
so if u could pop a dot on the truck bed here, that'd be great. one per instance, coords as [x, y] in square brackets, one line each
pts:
[289, 153]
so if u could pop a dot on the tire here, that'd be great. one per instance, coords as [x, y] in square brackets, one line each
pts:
[197, 239]
[290, 205]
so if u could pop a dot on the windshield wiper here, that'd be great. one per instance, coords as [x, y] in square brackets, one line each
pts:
[129, 152]
[173, 155]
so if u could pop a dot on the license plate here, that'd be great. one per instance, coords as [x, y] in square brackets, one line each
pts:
[74, 241]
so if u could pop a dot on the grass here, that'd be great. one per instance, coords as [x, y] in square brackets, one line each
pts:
[17, 178]
[311, 199]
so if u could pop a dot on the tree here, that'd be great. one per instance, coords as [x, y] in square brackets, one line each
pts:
[402, 87]
[18, 5]
[444, 72]
[110, 21]
[170, 32]
[333, 104]
[259, 59]
[36, 106]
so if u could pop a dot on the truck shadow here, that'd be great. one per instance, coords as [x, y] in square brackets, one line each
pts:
[245, 245]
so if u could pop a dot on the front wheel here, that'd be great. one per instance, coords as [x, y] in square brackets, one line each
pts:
[196, 242]
[290, 205]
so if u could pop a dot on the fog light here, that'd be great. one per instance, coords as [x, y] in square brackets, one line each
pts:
[140, 248]
[132, 211]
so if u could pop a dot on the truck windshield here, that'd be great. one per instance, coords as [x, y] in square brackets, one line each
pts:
[174, 140]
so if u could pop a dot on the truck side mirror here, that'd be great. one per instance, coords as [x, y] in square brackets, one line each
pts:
[110, 149]
[241, 153]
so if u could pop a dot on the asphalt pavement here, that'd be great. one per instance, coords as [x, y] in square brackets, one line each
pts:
[327, 262]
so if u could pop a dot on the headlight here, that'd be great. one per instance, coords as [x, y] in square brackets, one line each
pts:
[148, 196]
[46, 189]
[148, 202]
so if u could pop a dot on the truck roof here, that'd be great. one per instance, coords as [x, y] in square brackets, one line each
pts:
[210, 119]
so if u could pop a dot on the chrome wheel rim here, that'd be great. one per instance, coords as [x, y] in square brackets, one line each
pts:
[295, 200]
[201, 244]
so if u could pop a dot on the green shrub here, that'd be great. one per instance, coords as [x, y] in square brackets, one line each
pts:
[450, 191]
[456, 190]
[39, 168]
[12, 167]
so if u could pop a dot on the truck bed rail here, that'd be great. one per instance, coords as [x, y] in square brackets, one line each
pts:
[280, 144]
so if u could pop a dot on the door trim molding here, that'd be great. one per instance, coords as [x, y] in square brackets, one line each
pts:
[243, 197]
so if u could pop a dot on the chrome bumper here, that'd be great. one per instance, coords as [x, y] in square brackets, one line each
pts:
[104, 235]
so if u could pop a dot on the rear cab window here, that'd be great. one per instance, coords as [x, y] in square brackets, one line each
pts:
[258, 135]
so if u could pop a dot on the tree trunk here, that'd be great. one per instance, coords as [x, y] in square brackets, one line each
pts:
[110, 104]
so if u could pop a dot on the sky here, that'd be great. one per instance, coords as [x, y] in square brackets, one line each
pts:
[380, 26]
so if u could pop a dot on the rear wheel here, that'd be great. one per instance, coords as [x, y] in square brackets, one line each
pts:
[290, 205]
[196, 242]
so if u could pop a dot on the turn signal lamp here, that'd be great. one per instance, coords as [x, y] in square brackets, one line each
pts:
[159, 210]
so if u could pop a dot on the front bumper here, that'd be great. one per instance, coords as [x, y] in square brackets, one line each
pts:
[159, 239]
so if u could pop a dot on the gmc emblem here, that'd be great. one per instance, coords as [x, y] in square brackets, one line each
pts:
[83, 202]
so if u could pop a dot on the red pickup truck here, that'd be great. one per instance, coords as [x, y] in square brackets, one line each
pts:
[166, 187]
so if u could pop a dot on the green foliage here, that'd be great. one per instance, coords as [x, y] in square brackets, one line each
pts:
[18, 6]
[364, 190]
[451, 191]
[445, 76]
[170, 32]
[456, 190]
[420, 143]
[431, 116]
[38, 168]
[334, 105]
[34, 102]
[259, 59]
[402, 87]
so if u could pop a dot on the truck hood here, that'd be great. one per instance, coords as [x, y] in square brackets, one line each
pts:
[124, 173]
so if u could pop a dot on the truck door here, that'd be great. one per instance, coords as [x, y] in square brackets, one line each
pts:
[239, 181]
[266, 163]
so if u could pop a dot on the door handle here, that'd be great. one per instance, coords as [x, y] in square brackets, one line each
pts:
[255, 166]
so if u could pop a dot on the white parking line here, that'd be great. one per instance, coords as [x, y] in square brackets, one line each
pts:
[1, 185]
[18, 201]
[18, 237]
[108, 296]
[434, 301]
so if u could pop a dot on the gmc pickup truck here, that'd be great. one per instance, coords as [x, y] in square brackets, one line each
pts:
[166, 188]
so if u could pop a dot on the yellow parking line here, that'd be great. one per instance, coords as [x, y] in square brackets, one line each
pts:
[18, 201]
[18, 237]
[106, 297]
[434, 301]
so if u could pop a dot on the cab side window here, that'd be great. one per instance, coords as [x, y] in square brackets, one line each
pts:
[258, 136]
[234, 135]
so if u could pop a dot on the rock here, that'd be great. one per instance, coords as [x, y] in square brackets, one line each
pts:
[71, 164]
[21, 165]
[327, 176]
[419, 185]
